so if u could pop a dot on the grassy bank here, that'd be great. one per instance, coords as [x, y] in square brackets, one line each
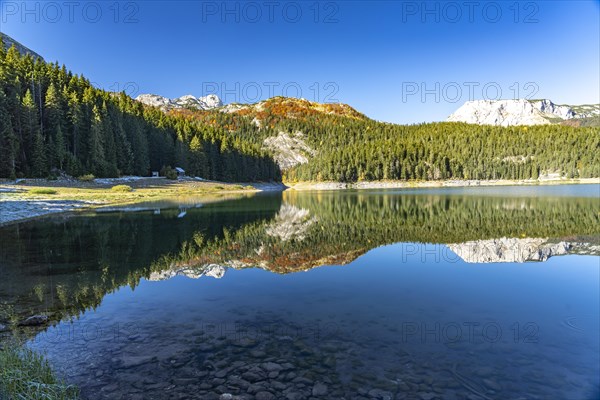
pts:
[26, 374]
[34, 198]
[121, 193]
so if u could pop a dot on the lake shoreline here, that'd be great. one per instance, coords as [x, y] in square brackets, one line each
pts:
[17, 204]
[366, 185]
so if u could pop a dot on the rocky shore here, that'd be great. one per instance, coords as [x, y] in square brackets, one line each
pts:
[436, 184]
[21, 209]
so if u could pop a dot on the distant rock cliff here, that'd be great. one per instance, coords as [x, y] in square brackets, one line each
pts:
[521, 112]
[289, 150]
[199, 103]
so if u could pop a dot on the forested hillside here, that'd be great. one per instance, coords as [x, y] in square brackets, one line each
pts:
[350, 147]
[373, 151]
[52, 120]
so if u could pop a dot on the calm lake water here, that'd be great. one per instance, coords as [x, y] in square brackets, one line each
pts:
[470, 293]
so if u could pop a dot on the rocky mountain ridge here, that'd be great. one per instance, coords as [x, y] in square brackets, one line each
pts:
[287, 107]
[521, 112]
[209, 102]
[9, 42]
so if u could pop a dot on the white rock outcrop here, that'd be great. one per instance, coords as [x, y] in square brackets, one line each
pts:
[289, 150]
[519, 112]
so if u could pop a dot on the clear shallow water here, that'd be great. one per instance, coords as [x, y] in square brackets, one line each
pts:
[358, 295]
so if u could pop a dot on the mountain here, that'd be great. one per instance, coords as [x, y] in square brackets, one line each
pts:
[311, 141]
[184, 102]
[523, 112]
[289, 107]
[8, 42]
[282, 107]
[106, 134]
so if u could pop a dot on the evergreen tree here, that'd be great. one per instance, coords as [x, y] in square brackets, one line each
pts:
[97, 161]
[30, 131]
[39, 163]
[8, 141]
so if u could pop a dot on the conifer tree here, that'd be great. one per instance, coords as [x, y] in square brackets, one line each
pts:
[8, 141]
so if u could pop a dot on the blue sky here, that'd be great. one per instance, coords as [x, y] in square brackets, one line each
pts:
[396, 61]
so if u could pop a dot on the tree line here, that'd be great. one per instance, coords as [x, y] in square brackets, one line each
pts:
[53, 120]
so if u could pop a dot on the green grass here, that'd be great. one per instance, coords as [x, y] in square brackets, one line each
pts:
[122, 188]
[26, 374]
[42, 191]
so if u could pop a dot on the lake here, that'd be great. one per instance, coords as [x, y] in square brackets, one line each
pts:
[458, 293]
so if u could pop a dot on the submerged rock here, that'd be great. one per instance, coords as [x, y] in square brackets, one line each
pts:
[265, 396]
[380, 394]
[320, 389]
[271, 366]
[35, 320]
[135, 361]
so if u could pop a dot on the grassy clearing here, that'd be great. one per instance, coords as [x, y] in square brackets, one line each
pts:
[130, 193]
[26, 374]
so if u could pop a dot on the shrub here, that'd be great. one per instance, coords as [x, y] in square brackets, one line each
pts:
[87, 178]
[42, 191]
[168, 173]
[122, 188]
